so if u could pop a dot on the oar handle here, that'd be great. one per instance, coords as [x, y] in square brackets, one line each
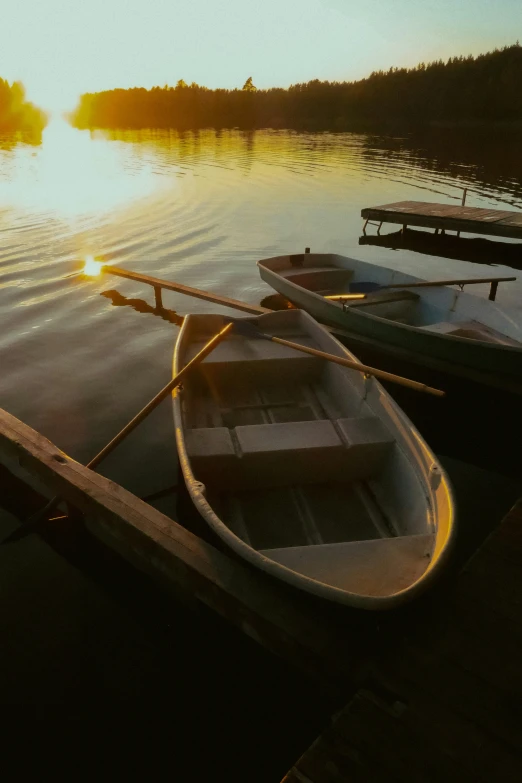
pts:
[160, 396]
[385, 376]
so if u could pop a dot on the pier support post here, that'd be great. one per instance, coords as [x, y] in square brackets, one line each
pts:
[157, 296]
[493, 290]
[464, 194]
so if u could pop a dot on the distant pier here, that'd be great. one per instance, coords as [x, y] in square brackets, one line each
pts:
[446, 217]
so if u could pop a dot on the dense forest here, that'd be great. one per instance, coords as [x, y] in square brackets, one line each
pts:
[464, 90]
[17, 114]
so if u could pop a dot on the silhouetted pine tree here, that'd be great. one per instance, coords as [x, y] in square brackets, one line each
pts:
[15, 112]
[463, 90]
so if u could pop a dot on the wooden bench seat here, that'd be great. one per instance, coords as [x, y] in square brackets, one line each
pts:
[378, 567]
[321, 278]
[238, 350]
[299, 270]
[384, 297]
[289, 453]
[260, 357]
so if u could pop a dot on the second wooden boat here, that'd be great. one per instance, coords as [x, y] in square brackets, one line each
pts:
[455, 328]
[307, 469]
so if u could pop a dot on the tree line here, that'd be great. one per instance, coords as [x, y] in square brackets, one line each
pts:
[463, 90]
[17, 114]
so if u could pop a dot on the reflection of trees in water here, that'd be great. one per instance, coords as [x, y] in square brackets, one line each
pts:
[477, 250]
[8, 141]
[479, 158]
[203, 145]
[247, 157]
[487, 164]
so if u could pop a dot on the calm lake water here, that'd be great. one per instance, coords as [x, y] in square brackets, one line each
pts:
[199, 208]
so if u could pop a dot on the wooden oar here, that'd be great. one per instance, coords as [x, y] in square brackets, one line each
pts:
[368, 287]
[337, 297]
[33, 521]
[247, 329]
[465, 281]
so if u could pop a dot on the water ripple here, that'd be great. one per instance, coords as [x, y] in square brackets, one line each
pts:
[200, 208]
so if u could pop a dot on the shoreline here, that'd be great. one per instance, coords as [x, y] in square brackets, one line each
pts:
[389, 128]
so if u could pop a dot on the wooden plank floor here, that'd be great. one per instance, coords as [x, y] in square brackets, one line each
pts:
[444, 704]
[474, 220]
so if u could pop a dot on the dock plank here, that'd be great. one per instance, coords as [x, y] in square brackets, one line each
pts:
[475, 220]
[444, 704]
[512, 220]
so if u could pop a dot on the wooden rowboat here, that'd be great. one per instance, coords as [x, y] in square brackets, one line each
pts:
[308, 469]
[454, 328]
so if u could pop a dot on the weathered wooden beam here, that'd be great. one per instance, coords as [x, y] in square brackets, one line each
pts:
[157, 283]
[442, 704]
[278, 617]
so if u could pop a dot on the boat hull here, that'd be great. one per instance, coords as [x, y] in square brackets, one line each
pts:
[500, 363]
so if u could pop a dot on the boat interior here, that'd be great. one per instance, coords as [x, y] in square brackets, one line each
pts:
[442, 310]
[300, 466]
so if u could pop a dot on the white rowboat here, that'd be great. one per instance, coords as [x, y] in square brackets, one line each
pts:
[307, 469]
[454, 327]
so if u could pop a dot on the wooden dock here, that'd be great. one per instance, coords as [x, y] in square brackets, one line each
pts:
[446, 217]
[445, 702]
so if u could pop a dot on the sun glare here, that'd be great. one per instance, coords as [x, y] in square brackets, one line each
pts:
[74, 175]
[55, 100]
[92, 267]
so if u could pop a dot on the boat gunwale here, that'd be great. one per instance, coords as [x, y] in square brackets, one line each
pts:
[440, 337]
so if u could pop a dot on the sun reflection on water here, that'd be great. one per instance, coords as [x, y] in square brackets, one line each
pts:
[92, 268]
[73, 173]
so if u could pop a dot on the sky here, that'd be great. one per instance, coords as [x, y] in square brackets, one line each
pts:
[61, 48]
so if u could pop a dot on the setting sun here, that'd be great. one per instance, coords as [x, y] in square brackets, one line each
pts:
[55, 99]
